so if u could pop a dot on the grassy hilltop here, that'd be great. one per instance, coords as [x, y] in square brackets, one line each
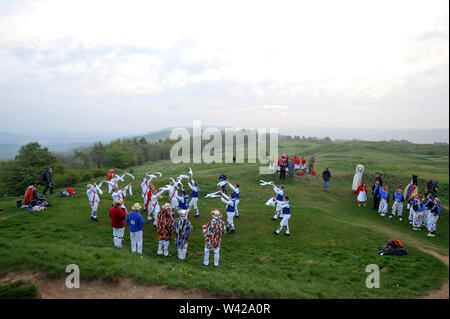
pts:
[332, 240]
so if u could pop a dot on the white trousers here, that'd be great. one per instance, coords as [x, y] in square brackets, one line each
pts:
[153, 211]
[236, 207]
[216, 256]
[163, 246]
[397, 207]
[278, 210]
[182, 252]
[118, 236]
[383, 209]
[136, 241]
[94, 207]
[284, 223]
[193, 203]
[230, 218]
[174, 203]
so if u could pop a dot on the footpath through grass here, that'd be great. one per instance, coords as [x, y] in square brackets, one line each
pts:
[332, 241]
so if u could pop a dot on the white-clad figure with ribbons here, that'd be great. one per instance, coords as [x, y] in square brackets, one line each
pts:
[230, 201]
[194, 196]
[94, 199]
[237, 194]
[279, 199]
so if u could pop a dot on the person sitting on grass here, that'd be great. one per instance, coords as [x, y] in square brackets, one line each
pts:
[286, 207]
[135, 223]
[118, 216]
[433, 217]
[213, 232]
[164, 230]
[182, 228]
[30, 195]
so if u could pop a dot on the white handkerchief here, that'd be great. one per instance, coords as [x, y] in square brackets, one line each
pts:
[270, 202]
[190, 171]
[222, 183]
[130, 175]
[159, 174]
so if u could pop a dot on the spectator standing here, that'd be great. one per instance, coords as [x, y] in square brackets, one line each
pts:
[291, 167]
[326, 175]
[47, 178]
[118, 217]
[312, 160]
[283, 170]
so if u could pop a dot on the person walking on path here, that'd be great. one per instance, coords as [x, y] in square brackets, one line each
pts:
[47, 178]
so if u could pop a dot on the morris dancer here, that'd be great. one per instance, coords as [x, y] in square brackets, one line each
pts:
[231, 209]
[429, 204]
[173, 193]
[419, 212]
[194, 196]
[164, 230]
[433, 217]
[117, 195]
[183, 201]
[384, 196]
[237, 193]
[213, 232]
[361, 195]
[182, 229]
[153, 207]
[279, 199]
[398, 199]
[94, 200]
[412, 202]
[286, 206]
[135, 222]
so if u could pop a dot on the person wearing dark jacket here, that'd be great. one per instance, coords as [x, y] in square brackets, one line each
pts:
[326, 175]
[283, 170]
[47, 178]
[223, 178]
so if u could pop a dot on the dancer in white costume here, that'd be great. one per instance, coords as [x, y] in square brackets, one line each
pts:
[153, 207]
[279, 199]
[194, 196]
[237, 194]
[94, 199]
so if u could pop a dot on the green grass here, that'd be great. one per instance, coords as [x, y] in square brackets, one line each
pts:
[332, 239]
[19, 290]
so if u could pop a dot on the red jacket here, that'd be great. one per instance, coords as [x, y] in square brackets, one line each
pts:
[117, 216]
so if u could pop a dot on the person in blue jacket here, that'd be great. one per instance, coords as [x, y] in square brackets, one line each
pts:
[432, 219]
[135, 222]
[384, 200]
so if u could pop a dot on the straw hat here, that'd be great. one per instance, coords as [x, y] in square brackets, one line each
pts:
[136, 206]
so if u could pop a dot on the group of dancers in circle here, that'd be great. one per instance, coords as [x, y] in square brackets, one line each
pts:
[167, 227]
[423, 210]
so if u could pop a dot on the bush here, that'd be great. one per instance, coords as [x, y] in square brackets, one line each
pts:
[98, 172]
[69, 178]
[19, 290]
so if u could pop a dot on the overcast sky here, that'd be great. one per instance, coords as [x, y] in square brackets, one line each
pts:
[135, 66]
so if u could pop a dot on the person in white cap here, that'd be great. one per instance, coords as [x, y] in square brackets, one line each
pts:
[286, 207]
[94, 200]
[135, 222]
[213, 232]
[182, 229]
[279, 200]
[237, 195]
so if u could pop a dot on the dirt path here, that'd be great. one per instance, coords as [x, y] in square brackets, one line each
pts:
[100, 289]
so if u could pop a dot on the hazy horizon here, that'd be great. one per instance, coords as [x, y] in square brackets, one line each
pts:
[104, 67]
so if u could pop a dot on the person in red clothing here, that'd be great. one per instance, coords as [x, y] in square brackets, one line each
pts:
[118, 216]
[30, 195]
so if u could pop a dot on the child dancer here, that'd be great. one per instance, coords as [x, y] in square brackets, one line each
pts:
[231, 206]
[429, 204]
[286, 206]
[419, 212]
[279, 200]
[361, 195]
[384, 200]
[398, 204]
[182, 228]
[135, 222]
[237, 194]
[433, 217]
[183, 201]
[164, 230]
[194, 196]
[411, 203]
[213, 232]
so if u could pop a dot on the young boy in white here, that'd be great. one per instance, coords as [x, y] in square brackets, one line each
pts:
[398, 204]
[183, 201]
[94, 199]
[194, 196]
[237, 195]
[173, 193]
[279, 200]
[135, 222]
[231, 205]
[286, 207]
[384, 195]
